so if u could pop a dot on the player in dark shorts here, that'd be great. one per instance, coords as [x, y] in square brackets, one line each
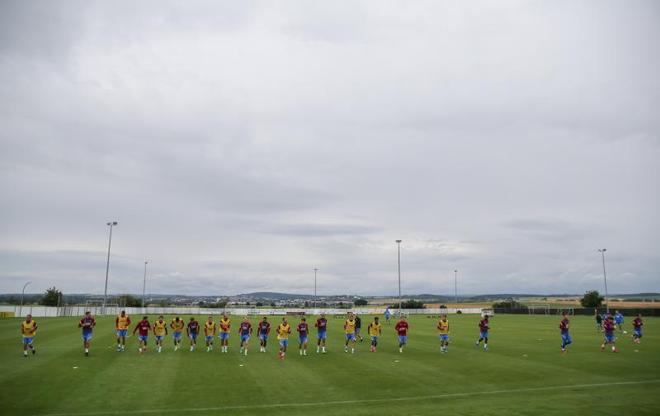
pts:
[637, 329]
[358, 327]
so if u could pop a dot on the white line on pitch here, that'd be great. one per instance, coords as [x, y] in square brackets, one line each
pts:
[360, 401]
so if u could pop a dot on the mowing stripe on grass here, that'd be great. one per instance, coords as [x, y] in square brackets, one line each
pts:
[360, 401]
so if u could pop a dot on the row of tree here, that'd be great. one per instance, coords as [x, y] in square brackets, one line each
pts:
[53, 297]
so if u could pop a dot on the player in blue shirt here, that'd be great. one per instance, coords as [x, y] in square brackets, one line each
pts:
[618, 320]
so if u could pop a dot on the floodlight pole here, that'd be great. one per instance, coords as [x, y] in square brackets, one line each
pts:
[315, 270]
[398, 250]
[144, 284]
[607, 303]
[20, 310]
[456, 287]
[107, 266]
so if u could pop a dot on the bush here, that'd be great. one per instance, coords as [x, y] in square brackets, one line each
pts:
[51, 297]
[508, 304]
[591, 299]
[412, 304]
[129, 301]
[361, 302]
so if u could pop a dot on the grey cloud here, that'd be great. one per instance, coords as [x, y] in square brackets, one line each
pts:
[320, 230]
[240, 145]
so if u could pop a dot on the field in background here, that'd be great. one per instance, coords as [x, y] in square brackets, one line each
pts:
[523, 373]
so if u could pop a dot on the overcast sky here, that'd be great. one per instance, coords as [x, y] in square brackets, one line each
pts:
[241, 144]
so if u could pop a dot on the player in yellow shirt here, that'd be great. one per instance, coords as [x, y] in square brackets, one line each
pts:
[443, 333]
[160, 330]
[29, 330]
[283, 331]
[349, 330]
[224, 328]
[122, 322]
[177, 326]
[374, 330]
[209, 332]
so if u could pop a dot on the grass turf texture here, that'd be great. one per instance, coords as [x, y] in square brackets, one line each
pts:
[523, 373]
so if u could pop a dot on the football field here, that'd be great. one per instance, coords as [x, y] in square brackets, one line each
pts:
[522, 373]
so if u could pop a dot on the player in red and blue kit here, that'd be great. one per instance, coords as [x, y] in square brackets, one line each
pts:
[637, 328]
[322, 327]
[245, 330]
[87, 323]
[483, 332]
[193, 331]
[401, 329]
[608, 329]
[263, 330]
[143, 327]
[565, 335]
[303, 332]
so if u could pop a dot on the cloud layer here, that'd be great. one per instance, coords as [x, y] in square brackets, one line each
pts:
[242, 144]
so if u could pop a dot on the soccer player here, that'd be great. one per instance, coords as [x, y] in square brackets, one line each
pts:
[618, 320]
[565, 335]
[160, 330]
[29, 330]
[401, 328]
[443, 333]
[122, 322]
[192, 330]
[374, 330]
[599, 320]
[637, 329]
[225, 327]
[358, 327]
[244, 331]
[87, 323]
[349, 331]
[144, 327]
[388, 315]
[483, 332]
[262, 331]
[303, 332]
[322, 327]
[608, 329]
[283, 331]
[209, 333]
[177, 326]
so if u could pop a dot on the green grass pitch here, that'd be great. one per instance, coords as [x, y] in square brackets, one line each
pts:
[523, 373]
